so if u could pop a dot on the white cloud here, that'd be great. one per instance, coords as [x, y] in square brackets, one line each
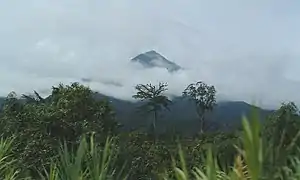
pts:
[248, 49]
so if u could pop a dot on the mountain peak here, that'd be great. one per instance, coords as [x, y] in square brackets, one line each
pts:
[152, 52]
[151, 59]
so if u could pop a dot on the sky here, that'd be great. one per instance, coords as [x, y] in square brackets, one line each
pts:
[249, 50]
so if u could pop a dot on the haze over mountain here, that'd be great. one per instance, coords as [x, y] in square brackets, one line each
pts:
[182, 115]
[247, 56]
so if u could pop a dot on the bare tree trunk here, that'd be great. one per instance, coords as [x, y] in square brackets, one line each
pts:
[154, 125]
[202, 124]
[201, 119]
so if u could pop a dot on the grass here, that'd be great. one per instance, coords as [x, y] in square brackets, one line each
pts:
[92, 162]
[8, 170]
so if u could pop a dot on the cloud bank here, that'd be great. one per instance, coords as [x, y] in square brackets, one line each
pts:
[248, 49]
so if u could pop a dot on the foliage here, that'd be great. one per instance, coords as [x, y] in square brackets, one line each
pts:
[71, 135]
[204, 97]
[8, 170]
[88, 162]
[281, 132]
[40, 124]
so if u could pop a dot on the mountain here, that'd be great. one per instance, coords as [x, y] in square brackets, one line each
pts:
[182, 116]
[153, 59]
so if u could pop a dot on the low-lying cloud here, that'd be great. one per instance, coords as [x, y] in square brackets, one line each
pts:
[248, 50]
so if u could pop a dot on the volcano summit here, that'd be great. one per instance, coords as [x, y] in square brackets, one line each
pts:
[152, 59]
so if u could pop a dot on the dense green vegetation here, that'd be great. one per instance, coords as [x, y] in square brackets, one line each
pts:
[73, 135]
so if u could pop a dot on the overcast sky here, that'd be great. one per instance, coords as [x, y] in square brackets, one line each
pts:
[248, 49]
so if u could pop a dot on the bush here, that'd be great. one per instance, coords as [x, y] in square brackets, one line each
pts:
[40, 124]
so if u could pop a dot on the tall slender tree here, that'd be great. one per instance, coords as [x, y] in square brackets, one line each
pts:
[154, 99]
[204, 97]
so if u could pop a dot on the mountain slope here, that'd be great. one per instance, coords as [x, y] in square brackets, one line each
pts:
[153, 59]
[182, 115]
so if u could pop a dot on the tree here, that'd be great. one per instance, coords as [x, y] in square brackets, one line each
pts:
[281, 135]
[204, 97]
[155, 100]
[41, 124]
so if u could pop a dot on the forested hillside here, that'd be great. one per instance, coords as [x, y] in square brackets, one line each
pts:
[182, 115]
[45, 130]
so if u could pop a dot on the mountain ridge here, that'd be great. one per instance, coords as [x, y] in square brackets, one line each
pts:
[182, 111]
[182, 115]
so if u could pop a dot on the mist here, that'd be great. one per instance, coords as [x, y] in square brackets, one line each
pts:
[249, 50]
